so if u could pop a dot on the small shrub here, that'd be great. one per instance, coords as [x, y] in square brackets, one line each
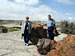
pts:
[14, 29]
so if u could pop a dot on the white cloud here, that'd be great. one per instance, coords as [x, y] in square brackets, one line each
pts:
[32, 2]
[11, 10]
[69, 17]
[19, 1]
[21, 7]
[20, 10]
[27, 2]
[42, 12]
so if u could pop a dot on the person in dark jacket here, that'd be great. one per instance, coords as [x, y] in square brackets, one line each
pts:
[26, 30]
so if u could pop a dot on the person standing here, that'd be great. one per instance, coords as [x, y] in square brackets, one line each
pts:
[51, 27]
[26, 30]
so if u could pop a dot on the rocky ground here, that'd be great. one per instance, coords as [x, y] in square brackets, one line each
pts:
[11, 44]
[66, 47]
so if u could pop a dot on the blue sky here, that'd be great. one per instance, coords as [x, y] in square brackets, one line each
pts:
[61, 6]
[37, 9]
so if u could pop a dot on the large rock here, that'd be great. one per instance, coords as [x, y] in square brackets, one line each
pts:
[37, 33]
[3, 29]
[45, 45]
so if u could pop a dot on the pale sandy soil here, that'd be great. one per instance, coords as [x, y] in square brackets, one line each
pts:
[11, 25]
[11, 44]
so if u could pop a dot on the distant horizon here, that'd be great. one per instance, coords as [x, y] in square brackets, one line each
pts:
[36, 20]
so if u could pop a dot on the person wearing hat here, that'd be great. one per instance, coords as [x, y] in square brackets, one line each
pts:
[26, 30]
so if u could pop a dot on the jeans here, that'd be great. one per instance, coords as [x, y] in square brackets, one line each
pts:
[26, 37]
[50, 33]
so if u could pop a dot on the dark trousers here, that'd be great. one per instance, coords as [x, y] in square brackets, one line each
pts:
[50, 33]
[26, 37]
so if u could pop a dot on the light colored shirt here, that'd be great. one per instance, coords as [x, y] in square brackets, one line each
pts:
[50, 23]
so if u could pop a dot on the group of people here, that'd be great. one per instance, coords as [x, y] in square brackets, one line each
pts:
[27, 26]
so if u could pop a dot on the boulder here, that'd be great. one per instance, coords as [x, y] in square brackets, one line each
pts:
[3, 29]
[37, 33]
[45, 45]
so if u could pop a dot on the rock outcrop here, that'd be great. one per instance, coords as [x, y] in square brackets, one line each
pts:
[64, 48]
[37, 33]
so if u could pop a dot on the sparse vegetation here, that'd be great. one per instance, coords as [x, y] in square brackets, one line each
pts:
[11, 29]
[67, 27]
